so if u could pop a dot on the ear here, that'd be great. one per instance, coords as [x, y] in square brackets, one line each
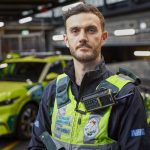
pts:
[104, 36]
[66, 40]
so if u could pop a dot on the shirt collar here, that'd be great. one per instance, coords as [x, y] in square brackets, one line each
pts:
[99, 70]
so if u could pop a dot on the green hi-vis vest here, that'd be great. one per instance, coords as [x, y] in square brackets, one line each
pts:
[76, 131]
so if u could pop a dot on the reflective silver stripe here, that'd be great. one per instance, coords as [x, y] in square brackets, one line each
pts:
[67, 146]
[90, 139]
[61, 112]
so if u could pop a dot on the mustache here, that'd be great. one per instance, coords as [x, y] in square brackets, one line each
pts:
[83, 45]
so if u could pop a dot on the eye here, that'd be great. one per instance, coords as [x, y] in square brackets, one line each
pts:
[74, 30]
[91, 30]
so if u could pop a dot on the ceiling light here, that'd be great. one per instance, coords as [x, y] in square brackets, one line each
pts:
[25, 32]
[143, 25]
[65, 8]
[124, 32]
[47, 14]
[25, 20]
[61, 1]
[40, 7]
[113, 1]
[25, 13]
[1, 24]
[141, 53]
[97, 3]
[58, 37]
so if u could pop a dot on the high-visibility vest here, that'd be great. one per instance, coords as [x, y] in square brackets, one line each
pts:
[76, 131]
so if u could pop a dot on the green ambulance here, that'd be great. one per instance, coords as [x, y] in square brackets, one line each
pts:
[22, 81]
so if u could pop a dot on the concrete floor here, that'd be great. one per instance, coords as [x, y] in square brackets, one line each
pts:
[10, 143]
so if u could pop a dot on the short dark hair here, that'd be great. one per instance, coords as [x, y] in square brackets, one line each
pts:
[84, 8]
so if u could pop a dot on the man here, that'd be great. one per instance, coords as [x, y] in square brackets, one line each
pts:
[72, 115]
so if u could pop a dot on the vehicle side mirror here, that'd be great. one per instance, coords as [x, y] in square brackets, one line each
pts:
[51, 76]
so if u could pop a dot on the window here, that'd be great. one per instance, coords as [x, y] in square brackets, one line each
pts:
[56, 67]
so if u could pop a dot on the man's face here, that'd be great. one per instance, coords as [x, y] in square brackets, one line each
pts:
[84, 36]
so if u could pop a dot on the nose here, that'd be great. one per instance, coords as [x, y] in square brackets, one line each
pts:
[83, 37]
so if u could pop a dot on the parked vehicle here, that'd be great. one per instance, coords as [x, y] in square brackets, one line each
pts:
[22, 81]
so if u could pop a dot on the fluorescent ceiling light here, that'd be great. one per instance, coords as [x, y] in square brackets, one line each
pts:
[46, 14]
[61, 1]
[97, 3]
[40, 7]
[113, 1]
[25, 13]
[58, 37]
[143, 25]
[25, 32]
[1, 24]
[141, 53]
[65, 8]
[25, 20]
[124, 32]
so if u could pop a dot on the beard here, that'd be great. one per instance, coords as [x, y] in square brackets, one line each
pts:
[85, 56]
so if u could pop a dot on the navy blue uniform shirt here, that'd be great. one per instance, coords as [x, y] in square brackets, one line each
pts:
[127, 122]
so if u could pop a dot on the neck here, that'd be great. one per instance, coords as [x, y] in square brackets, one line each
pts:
[83, 67]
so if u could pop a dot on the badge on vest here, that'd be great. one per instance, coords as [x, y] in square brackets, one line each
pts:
[91, 129]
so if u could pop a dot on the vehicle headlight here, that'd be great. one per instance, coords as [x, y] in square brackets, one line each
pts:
[8, 101]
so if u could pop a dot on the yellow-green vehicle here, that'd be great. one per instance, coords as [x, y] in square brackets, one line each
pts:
[22, 81]
[146, 96]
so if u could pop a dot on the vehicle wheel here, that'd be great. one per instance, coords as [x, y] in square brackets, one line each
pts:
[26, 120]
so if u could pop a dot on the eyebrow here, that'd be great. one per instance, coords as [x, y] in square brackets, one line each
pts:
[88, 26]
[74, 27]
[91, 26]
